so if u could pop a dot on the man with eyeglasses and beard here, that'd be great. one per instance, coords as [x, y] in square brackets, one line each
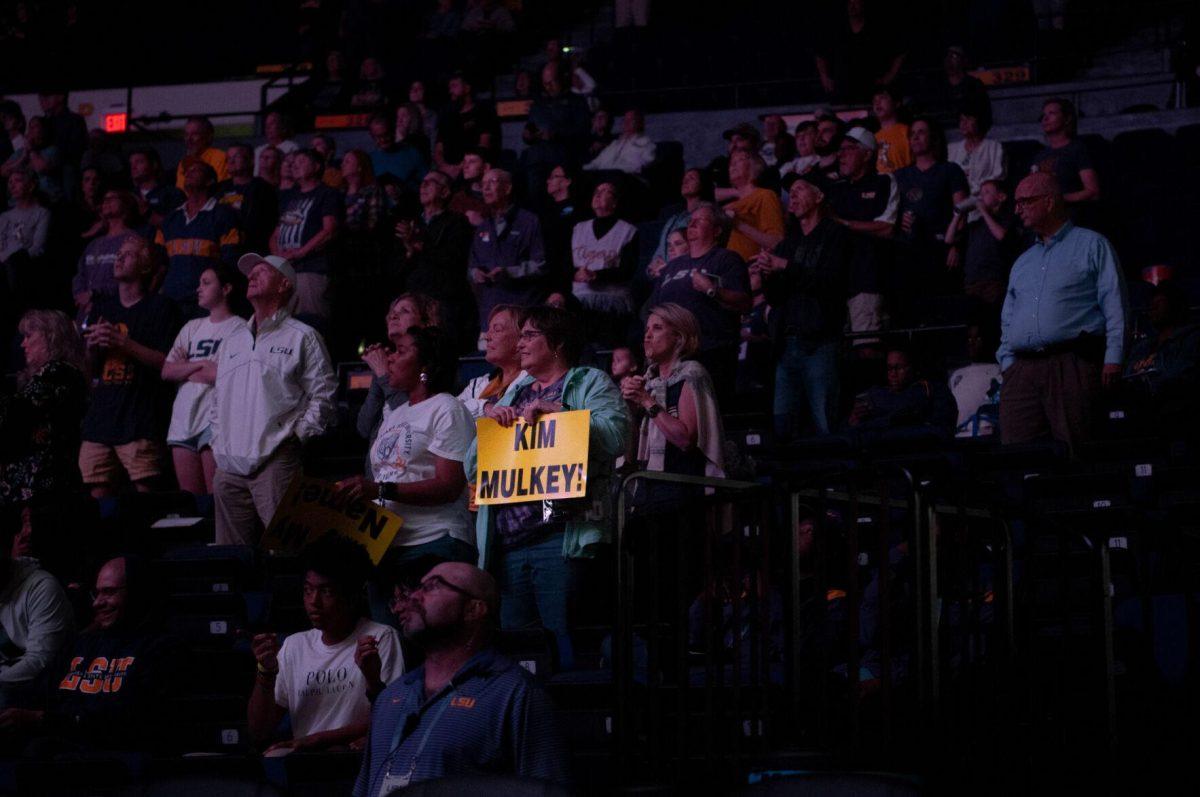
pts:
[467, 710]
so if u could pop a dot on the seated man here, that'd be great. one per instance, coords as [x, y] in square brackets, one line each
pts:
[632, 152]
[121, 670]
[489, 715]
[976, 386]
[313, 676]
[1164, 368]
[36, 626]
[905, 402]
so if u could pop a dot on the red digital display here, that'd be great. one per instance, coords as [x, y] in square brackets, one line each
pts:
[115, 122]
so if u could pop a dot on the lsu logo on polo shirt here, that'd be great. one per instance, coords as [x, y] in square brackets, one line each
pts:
[462, 702]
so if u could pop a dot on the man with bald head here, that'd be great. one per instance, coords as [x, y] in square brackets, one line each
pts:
[1064, 322]
[508, 260]
[467, 710]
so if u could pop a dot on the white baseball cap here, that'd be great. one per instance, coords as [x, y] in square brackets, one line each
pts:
[863, 137]
[247, 262]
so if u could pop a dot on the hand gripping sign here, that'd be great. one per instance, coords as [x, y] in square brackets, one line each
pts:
[311, 508]
[533, 462]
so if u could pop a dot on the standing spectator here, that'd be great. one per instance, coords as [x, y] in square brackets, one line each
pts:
[695, 189]
[632, 13]
[94, 276]
[483, 17]
[1063, 325]
[806, 280]
[35, 617]
[410, 129]
[892, 136]
[253, 199]
[408, 310]
[198, 135]
[1065, 156]
[287, 179]
[310, 217]
[12, 121]
[39, 422]
[274, 390]
[331, 89]
[331, 709]
[560, 212]
[508, 261]
[127, 415]
[373, 90]
[359, 285]
[929, 191]
[44, 159]
[467, 196]
[193, 363]
[24, 229]
[743, 137]
[435, 246]
[857, 53]
[121, 670]
[535, 546]
[270, 166]
[511, 727]
[959, 89]
[756, 212]
[806, 154]
[428, 116]
[828, 146]
[326, 147]
[604, 256]
[465, 124]
[865, 202]
[778, 147]
[199, 233]
[713, 285]
[416, 460]
[155, 198]
[557, 130]
[631, 153]
[600, 133]
[68, 132]
[500, 350]
[985, 248]
[981, 158]
[278, 130]
[675, 402]
[402, 160]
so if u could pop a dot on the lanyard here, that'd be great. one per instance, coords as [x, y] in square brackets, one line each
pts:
[399, 732]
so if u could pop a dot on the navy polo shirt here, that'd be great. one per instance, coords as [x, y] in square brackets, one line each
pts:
[490, 719]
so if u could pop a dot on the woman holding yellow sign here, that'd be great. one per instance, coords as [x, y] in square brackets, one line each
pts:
[534, 547]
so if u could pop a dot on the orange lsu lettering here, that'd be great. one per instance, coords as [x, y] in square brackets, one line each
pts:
[102, 675]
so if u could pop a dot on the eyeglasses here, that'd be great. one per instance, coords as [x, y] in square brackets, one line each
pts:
[434, 583]
[1026, 200]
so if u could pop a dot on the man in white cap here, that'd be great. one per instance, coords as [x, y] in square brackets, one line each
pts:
[865, 202]
[274, 390]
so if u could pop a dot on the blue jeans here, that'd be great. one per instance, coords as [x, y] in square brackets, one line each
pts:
[537, 583]
[806, 380]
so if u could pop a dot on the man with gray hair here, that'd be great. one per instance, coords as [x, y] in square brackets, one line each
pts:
[1064, 323]
[274, 390]
[507, 264]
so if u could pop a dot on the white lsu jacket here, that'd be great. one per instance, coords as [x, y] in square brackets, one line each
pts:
[269, 389]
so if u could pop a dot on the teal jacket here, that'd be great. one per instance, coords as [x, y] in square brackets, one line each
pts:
[585, 389]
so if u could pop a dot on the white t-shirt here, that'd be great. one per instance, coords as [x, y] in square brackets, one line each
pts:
[321, 687]
[403, 452]
[974, 386]
[285, 147]
[201, 338]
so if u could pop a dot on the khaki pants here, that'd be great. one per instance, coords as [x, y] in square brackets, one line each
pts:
[245, 504]
[1049, 396]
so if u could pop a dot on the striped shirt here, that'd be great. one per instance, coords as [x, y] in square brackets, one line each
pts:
[193, 244]
[490, 719]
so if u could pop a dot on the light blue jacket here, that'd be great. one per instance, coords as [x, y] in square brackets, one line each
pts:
[584, 389]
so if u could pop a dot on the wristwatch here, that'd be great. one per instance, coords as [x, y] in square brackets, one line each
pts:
[711, 293]
[653, 410]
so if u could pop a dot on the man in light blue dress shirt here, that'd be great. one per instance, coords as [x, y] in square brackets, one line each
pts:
[1063, 326]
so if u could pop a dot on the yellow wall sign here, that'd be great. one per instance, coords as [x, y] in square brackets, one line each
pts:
[310, 509]
[532, 462]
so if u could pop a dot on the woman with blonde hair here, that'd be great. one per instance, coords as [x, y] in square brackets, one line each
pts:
[680, 429]
[40, 422]
[406, 311]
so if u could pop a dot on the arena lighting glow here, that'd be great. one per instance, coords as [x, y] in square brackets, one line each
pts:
[116, 122]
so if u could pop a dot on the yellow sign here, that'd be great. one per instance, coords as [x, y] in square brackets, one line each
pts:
[311, 509]
[532, 462]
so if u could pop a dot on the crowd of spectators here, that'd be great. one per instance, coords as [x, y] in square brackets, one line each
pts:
[205, 316]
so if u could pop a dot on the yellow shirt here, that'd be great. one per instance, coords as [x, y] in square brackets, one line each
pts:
[213, 157]
[893, 150]
[762, 210]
